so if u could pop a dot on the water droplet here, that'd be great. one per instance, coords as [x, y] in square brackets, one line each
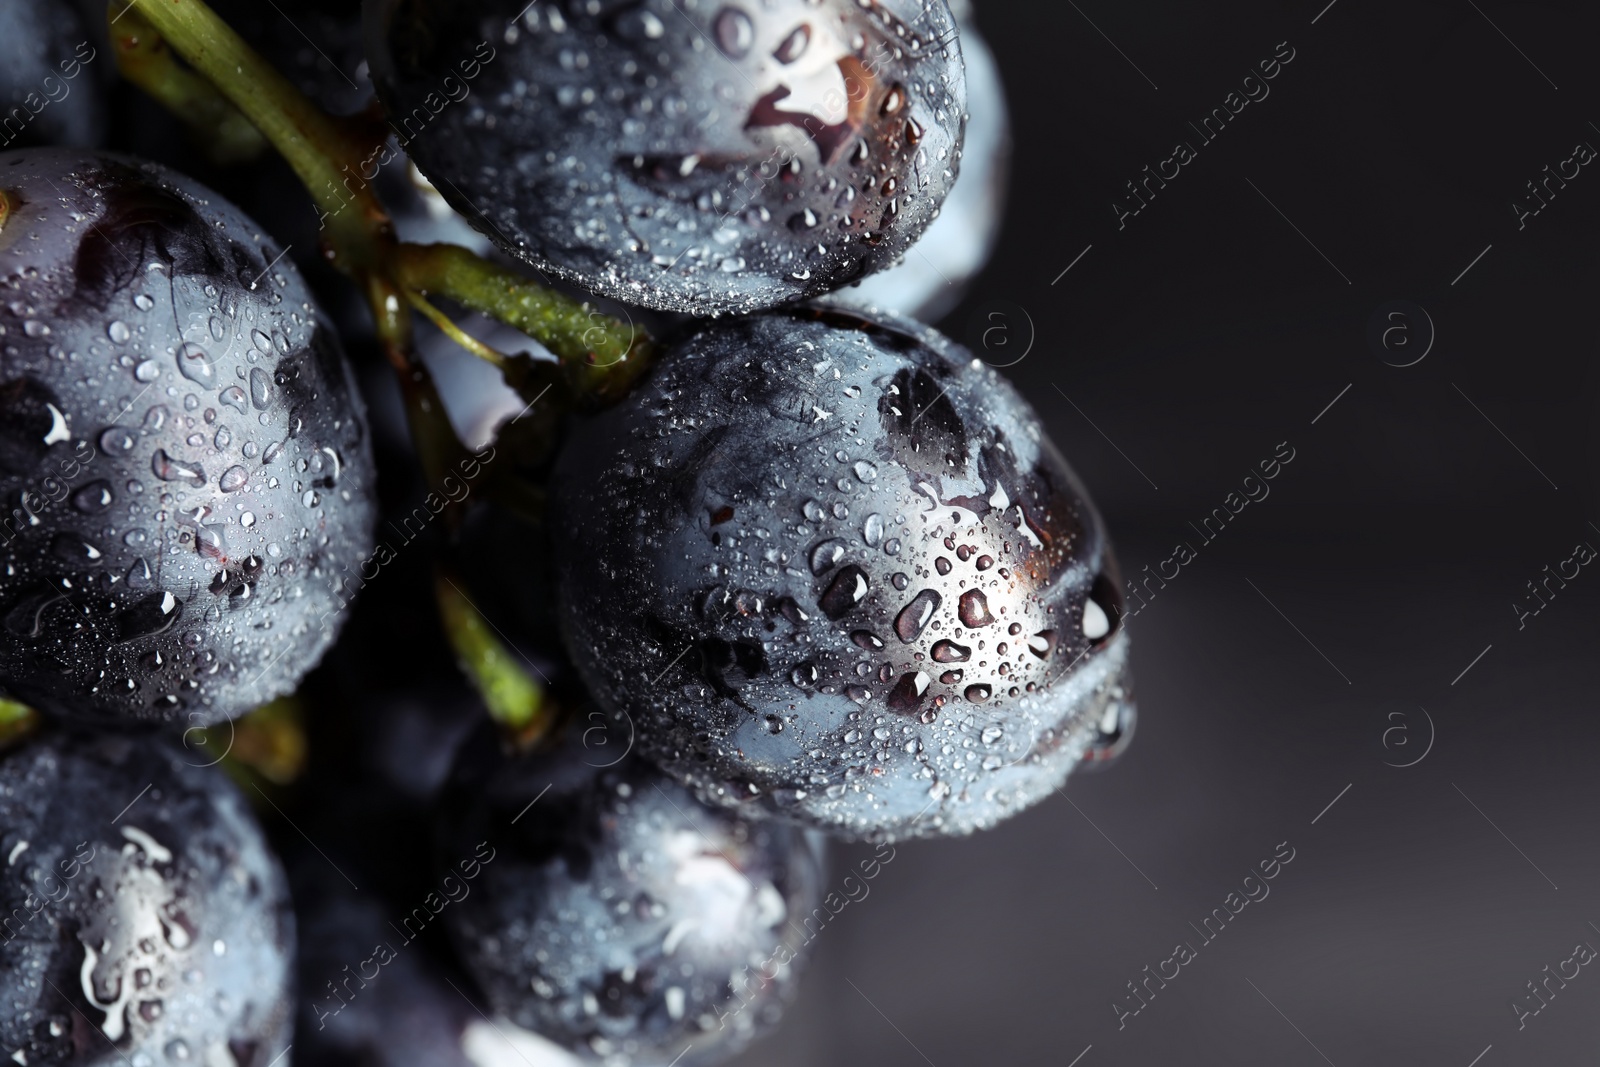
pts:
[734, 32]
[812, 511]
[143, 302]
[168, 469]
[892, 546]
[805, 675]
[118, 441]
[950, 652]
[942, 565]
[951, 677]
[70, 548]
[153, 615]
[977, 694]
[866, 472]
[194, 363]
[147, 371]
[974, 609]
[872, 530]
[861, 695]
[233, 396]
[211, 541]
[866, 639]
[233, 479]
[260, 388]
[223, 437]
[1095, 622]
[826, 556]
[848, 588]
[118, 332]
[94, 497]
[991, 734]
[247, 520]
[1042, 643]
[794, 45]
[914, 617]
[139, 575]
[906, 696]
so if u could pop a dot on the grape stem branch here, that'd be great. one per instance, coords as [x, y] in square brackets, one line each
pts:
[602, 354]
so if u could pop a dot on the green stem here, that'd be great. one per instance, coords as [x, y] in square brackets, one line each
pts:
[310, 140]
[17, 720]
[602, 355]
[145, 60]
[516, 700]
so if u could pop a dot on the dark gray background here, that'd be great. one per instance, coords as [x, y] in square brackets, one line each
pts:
[1392, 549]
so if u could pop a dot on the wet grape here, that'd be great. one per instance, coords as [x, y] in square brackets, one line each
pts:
[184, 463]
[613, 914]
[701, 158]
[846, 526]
[143, 910]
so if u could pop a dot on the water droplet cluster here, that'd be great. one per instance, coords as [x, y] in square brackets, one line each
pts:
[185, 475]
[166, 928]
[833, 569]
[706, 156]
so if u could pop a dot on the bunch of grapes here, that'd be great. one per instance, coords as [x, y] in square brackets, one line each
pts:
[734, 552]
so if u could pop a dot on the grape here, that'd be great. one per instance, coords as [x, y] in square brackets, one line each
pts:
[930, 280]
[706, 159]
[834, 570]
[143, 909]
[615, 916]
[183, 456]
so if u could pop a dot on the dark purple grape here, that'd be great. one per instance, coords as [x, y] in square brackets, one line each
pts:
[833, 569]
[613, 914]
[146, 921]
[704, 158]
[183, 456]
[936, 271]
[48, 94]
